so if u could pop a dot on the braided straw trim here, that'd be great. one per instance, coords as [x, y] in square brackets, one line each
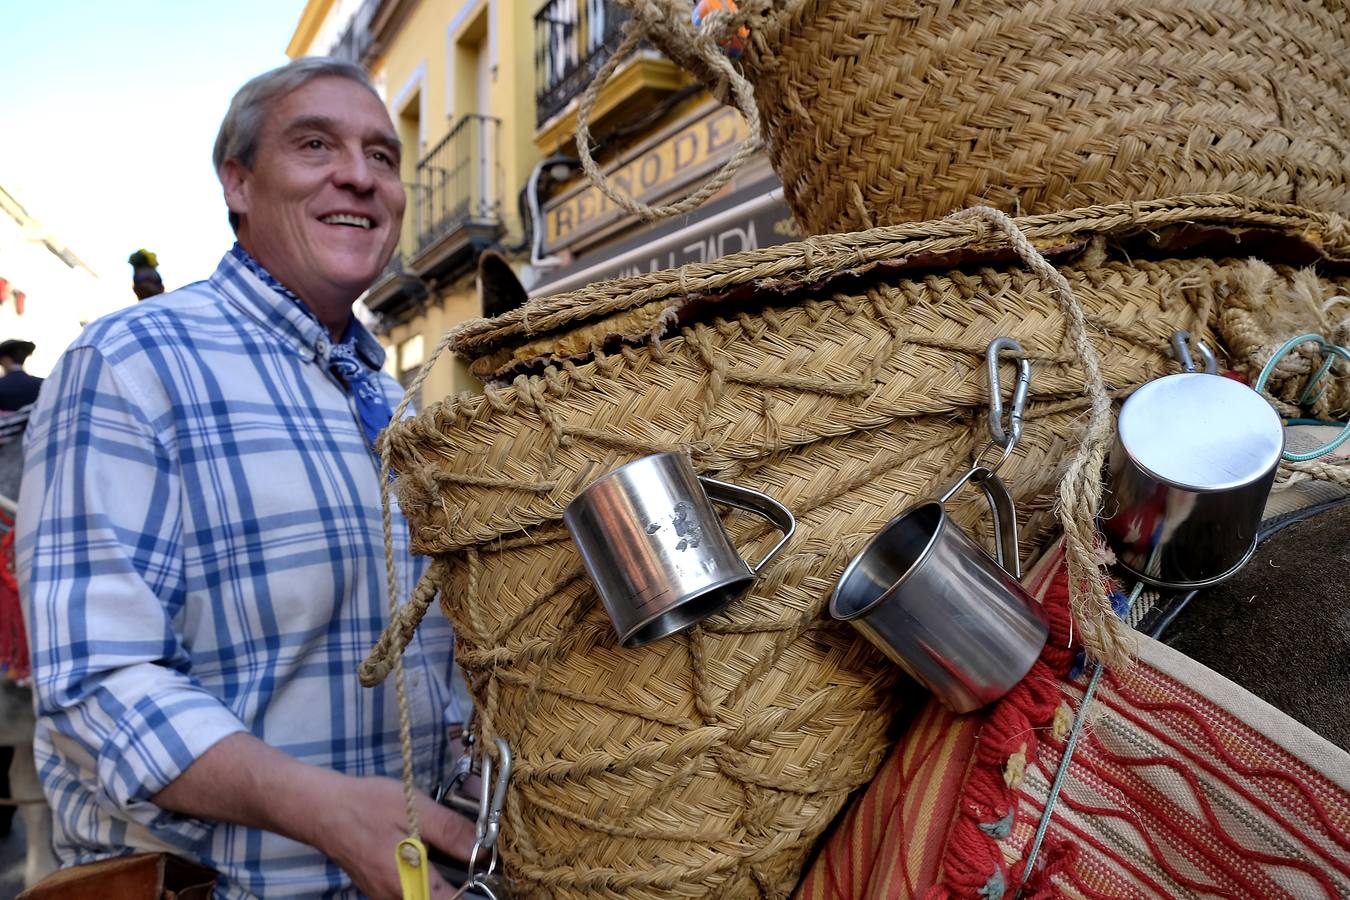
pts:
[818, 259]
[1336, 473]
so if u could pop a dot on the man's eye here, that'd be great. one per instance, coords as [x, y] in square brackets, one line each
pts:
[384, 157]
[314, 144]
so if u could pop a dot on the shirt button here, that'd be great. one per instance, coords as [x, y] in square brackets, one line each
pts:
[321, 346]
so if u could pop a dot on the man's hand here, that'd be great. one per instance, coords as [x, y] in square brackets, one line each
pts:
[356, 822]
[361, 828]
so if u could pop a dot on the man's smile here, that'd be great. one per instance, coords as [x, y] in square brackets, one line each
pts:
[349, 219]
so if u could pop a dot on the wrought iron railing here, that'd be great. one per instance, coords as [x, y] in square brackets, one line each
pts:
[458, 182]
[572, 40]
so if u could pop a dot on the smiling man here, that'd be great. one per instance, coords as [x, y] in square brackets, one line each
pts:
[200, 538]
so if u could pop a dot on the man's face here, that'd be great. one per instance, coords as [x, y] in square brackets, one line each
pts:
[322, 206]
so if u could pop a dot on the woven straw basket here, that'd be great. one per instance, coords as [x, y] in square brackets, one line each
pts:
[842, 376]
[886, 111]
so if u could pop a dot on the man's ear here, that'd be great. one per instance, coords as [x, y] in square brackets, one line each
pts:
[235, 179]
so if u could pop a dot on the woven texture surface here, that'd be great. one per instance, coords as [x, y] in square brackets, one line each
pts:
[885, 111]
[1266, 312]
[709, 763]
[656, 299]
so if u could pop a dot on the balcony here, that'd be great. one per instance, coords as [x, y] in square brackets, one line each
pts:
[396, 287]
[459, 184]
[572, 40]
[453, 214]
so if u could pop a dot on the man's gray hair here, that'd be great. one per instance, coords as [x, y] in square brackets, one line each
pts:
[243, 122]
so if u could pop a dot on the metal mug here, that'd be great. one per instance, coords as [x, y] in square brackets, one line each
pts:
[656, 549]
[930, 598]
[1191, 467]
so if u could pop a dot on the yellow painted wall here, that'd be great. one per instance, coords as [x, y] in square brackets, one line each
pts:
[513, 103]
[438, 39]
[307, 29]
[426, 40]
[450, 375]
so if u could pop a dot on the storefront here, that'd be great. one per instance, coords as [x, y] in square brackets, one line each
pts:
[588, 238]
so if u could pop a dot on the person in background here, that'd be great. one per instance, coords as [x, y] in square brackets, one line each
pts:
[17, 387]
[18, 390]
[201, 543]
[145, 280]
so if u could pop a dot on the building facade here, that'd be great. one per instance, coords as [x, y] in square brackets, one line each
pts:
[47, 294]
[484, 95]
[658, 137]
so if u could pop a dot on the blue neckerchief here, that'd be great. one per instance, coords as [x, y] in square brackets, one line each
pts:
[350, 368]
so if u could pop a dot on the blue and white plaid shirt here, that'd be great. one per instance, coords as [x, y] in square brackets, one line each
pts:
[200, 542]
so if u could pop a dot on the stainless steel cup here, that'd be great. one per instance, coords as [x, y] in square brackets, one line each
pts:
[656, 549]
[1190, 470]
[930, 598]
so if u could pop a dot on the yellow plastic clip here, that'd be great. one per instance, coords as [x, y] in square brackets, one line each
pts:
[413, 869]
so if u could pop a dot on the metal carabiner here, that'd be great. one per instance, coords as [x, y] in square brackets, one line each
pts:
[492, 801]
[490, 814]
[1181, 351]
[1005, 438]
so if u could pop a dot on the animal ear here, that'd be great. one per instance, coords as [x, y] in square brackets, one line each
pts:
[499, 290]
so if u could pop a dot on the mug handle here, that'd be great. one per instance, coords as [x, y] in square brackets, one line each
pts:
[762, 505]
[1005, 516]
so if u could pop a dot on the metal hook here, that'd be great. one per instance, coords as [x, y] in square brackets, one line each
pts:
[489, 822]
[492, 801]
[1006, 552]
[446, 792]
[1006, 438]
[1182, 353]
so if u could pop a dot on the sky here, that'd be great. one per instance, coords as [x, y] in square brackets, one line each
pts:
[109, 113]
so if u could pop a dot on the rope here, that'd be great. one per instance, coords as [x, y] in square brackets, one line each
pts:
[820, 258]
[1104, 636]
[647, 21]
[388, 651]
[399, 632]
[1336, 474]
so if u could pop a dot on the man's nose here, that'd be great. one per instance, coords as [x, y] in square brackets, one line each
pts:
[354, 172]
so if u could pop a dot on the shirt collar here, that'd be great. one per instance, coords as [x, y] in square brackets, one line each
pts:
[280, 310]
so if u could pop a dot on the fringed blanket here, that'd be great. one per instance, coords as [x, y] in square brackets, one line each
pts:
[1183, 784]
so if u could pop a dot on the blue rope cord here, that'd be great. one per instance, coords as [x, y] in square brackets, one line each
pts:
[1329, 352]
[1062, 772]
